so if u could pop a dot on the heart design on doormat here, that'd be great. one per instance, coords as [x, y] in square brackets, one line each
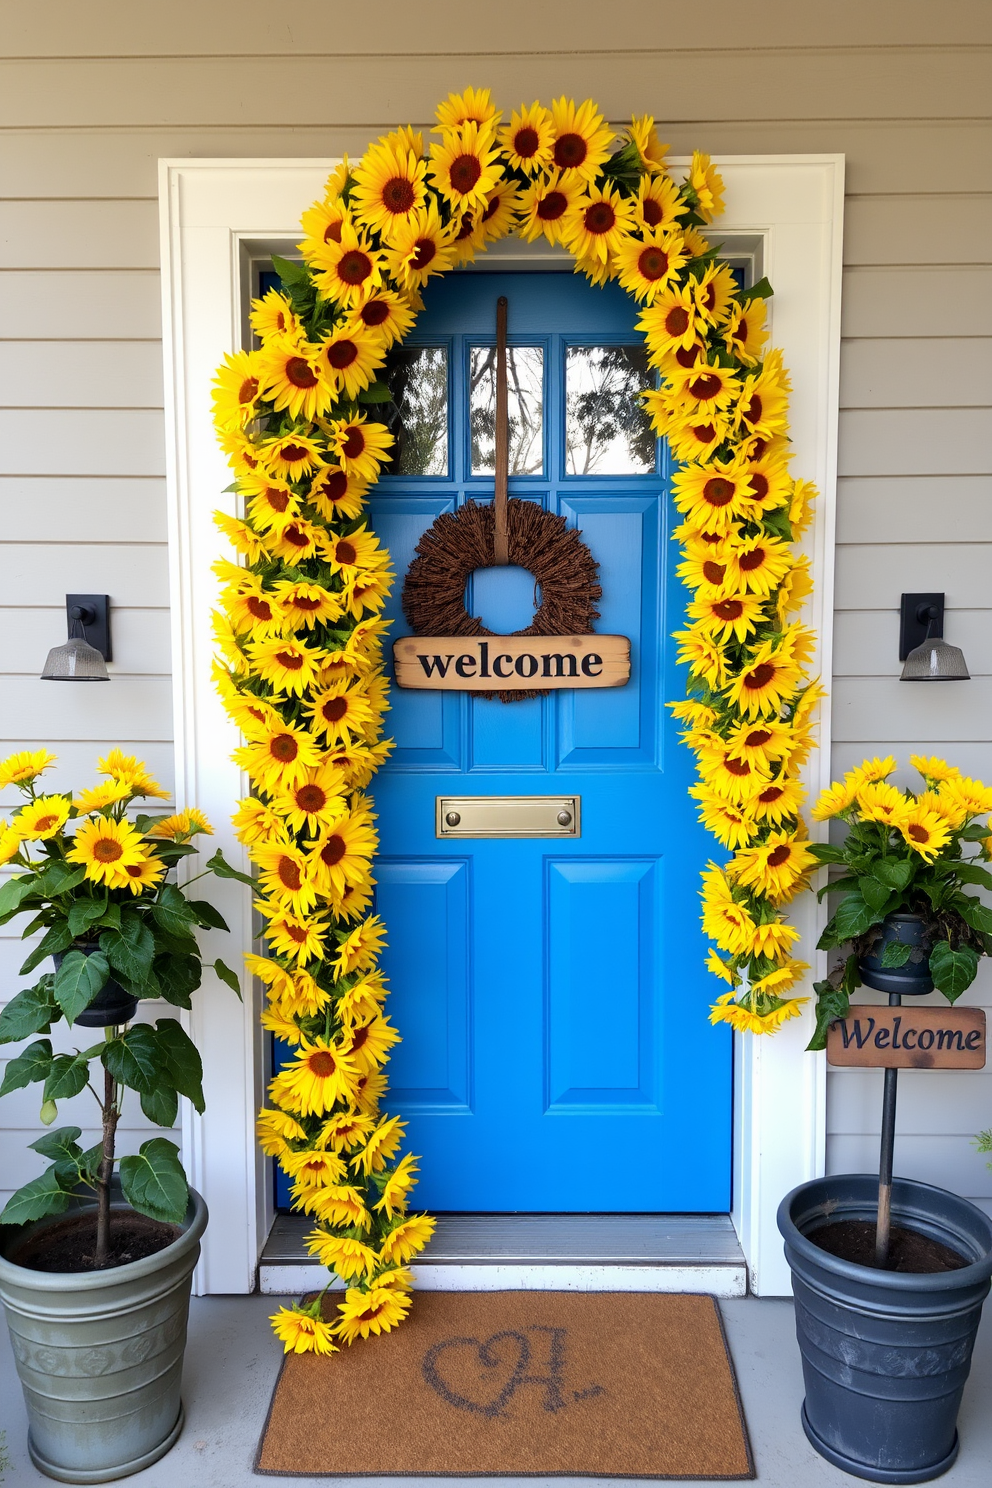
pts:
[462, 1359]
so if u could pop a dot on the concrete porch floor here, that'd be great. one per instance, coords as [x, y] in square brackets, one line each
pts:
[232, 1361]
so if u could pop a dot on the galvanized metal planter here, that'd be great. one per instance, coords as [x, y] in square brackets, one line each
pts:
[100, 1354]
[885, 1354]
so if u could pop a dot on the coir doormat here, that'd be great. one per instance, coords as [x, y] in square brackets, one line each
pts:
[596, 1384]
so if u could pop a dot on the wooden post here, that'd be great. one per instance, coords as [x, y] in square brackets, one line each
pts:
[501, 551]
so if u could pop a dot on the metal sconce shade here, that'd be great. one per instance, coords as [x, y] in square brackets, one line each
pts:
[77, 660]
[935, 661]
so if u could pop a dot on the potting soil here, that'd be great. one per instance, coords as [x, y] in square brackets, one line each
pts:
[70, 1244]
[854, 1240]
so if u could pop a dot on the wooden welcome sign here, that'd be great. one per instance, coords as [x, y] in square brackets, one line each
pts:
[908, 1038]
[524, 662]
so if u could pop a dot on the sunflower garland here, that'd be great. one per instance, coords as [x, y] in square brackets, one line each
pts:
[300, 666]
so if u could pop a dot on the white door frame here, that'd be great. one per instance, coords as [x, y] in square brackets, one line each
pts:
[216, 215]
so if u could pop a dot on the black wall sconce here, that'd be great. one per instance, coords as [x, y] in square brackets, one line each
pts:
[927, 656]
[84, 656]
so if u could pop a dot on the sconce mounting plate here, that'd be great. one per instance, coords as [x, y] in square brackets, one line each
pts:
[913, 629]
[96, 624]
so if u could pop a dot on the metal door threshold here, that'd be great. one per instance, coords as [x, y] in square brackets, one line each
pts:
[544, 1252]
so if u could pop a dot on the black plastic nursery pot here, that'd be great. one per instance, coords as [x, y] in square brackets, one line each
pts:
[885, 1354]
[911, 980]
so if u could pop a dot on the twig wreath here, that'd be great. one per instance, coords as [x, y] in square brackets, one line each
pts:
[301, 664]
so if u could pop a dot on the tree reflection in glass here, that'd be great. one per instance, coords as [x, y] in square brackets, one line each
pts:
[525, 409]
[417, 377]
[607, 431]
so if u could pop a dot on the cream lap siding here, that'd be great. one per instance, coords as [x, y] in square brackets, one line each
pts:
[87, 105]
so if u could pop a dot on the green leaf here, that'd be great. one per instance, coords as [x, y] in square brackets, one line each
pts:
[953, 971]
[778, 524]
[376, 392]
[111, 918]
[832, 1003]
[173, 913]
[32, 1065]
[228, 977]
[971, 873]
[59, 938]
[760, 291]
[40, 1197]
[14, 892]
[154, 1182]
[178, 976]
[875, 894]
[78, 980]
[31, 1011]
[894, 872]
[59, 1144]
[974, 832]
[67, 1077]
[160, 1105]
[207, 916]
[854, 916]
[894, 954]
[219, 865]
[825, 852]
[289, 271]
[83, 913]
[181, 1060]
[131, 950]
[58, 878]
[133, 1059]
[975, 914]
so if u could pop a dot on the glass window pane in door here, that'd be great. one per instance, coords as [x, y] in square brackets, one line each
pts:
[607, 431]
[524, 404]
[417, 377]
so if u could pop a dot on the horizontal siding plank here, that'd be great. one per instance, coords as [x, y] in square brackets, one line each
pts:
[141, 640]
[80, 374]
[81, 304]
[84, 509]
[971, 757]
[901, 230]
[938, 1103]
[941, 441]
[79, 234]
[885, 709]
[77, 760]
[866, 642]
[948, 1162]
[936, 373]
[922, 301]
[883, 156]
[828, 83]
[871, 576]
[88, 441]
[914, 508]
[135, 576]
[128, 708]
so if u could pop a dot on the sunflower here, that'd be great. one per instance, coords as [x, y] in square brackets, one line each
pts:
[544, 206]
[382, 313]
[305, 999]
[728, 823]
[182, 826]
[279, 757]
[528, 139]
[371, 1089]
[381, 1144]
[421, 247]
[345, 1131]
[273, 315]
[878, 802]
[658, 204]
[389, 187]
[338, 1204]
[871, 770]
[141, 876]
[774, 940]
[745, 332]
[240, 450]
[340, 711]
[25, 766]
[363, 999]
[795, 588]
[255, 822]
[342, 855]
[736, 615]
[597, 223]
[321, 1074]
[711, 497]
[474, 106]
[646, 265]
[933, 769]
[581, 139]
[302, 1332]
[350, 360]
[106, 848]
[804, 498]
[764, 684]
[254, 612]
[237, 389]
[244, 539]
[762, 563]
[703, 655]
[284, 875]
[286, 663]
[925, 831]
[763, 405]
[314, 1166]
[465, 166]
[760, 743]
[692, 438]
[725, 970]
[731, 776]
[375, 1311]
[356, 554]
[271, 504]
[744, 1020]
[778, 802]
[360, 447]
[369, 1044]
[643, 135]
[342, 1254]
[10, 842]
[724, 920]
[398, 1185]
[275, 1129]
[407, 1238]
[337, 495]
[313, 802]
[777, 867]
[707, 186]
[298, 541]
[346, 269]
[290, 456]
[294, 377]
[42, 818]
[305, 603]
[971, 797]
[714, 293]
[291, 937]
[100, 797]
[322, 223]
[360, 947]
[706, 387]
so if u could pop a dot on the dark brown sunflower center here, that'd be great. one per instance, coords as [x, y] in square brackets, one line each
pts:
[753, 410]
[334, 709]
[464, 172]
[717, 491]
[707, 386]
[322, 1064]
[758, 485]
[311, 798]
[354, 267]
[687, 356]
[292, 453]
[345, 552]
[570, 151]
[738, 767]
[918, 833]
[302, 602]
[248, 391]
[296, 537]
[296, 933]
[770, 796]
[552, 206]
[425, 251]
[289, 873]
[780, 855]
[374, 313]
[354, 443]
[333, 851]
[714, 572]
[526, 142]
[705, 433]
[760, 676]
[291, 660]
[358, 1038]
[300, 373]
[278, 500]
[334, 485]
[600, 218]
[341, 354]
[651, 211]
[332, 232]
[106, 850]
[750, 561]
[284, 748]
[728, 609]
[757, 738]
[260, 608]
[653, 263]
[398, 194]
[677, 321]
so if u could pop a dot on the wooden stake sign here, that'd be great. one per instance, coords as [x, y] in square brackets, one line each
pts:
[524, 662]
[908, 1038]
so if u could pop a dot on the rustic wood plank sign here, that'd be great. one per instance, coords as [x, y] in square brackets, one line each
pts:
[908, 1038]
[497, 663]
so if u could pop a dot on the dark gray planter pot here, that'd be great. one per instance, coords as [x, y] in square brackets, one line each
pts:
[911, 980]
[111, 1006]
[885, 1354]
[100, 1353]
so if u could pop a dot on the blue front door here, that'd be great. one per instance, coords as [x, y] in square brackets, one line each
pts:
[551, 994]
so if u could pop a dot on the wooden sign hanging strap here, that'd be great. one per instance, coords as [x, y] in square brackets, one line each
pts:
[501, 551]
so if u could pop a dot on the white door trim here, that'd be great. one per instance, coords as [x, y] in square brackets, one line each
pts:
[213, 213]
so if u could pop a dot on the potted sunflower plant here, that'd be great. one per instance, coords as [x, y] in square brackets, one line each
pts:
[890, 1275]
[97, 1252]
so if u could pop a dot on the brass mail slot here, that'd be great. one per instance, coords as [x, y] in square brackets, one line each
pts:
[508, 816]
